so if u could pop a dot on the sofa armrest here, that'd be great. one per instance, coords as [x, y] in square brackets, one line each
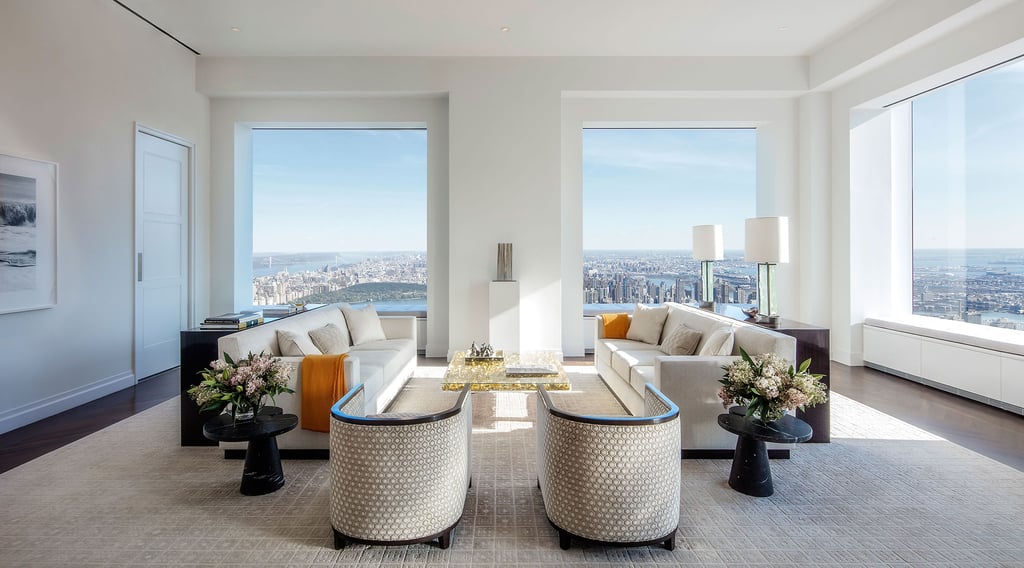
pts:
[399, 327]
[692, 383]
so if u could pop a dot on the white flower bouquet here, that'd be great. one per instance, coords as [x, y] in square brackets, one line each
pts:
[769, 386]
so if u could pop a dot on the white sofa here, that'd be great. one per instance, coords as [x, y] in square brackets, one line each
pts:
[689, 381]
[382, 367]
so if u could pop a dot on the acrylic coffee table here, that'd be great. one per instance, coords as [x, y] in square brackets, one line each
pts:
[536, 368]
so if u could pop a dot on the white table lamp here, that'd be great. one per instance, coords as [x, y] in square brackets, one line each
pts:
[707, 248]
[767, 244]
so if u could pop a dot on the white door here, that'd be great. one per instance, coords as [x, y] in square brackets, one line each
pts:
[161, 252]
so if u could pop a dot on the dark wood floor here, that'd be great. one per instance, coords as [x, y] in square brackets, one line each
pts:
[29, 442]
[989, 431]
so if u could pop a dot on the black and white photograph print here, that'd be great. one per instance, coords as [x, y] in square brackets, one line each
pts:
[28, 234]
[17, 232]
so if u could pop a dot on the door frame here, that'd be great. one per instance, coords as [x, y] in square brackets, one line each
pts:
[190, 217]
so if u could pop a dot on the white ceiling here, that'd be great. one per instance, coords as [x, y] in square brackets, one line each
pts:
[537, 27]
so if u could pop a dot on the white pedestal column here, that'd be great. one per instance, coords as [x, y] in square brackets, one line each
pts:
[504, 315]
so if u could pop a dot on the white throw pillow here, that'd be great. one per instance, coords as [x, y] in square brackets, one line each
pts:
[330, 339]
[718, 343]
[363, 324]
[647, 323]
[294, 344]
[681, 341]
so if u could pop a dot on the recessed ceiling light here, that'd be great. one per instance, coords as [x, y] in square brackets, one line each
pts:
[505, 28]
[235, 29]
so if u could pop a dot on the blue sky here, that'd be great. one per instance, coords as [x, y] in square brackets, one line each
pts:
[647, 188]
[969, 163]
[339, 190]
[365, 190]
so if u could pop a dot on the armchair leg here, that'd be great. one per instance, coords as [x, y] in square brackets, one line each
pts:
[564, 539]
[670, 542]
[339, 541]
[445, 540]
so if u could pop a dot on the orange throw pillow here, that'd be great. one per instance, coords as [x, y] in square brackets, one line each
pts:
[615, 325]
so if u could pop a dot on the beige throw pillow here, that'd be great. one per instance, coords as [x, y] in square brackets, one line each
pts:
[363, 324]
[330, 339]
[718, 343]
[681, 341]
[647, 323]
[294, 344]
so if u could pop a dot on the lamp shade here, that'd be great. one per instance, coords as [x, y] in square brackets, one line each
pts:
[767, 240]
[707, 242]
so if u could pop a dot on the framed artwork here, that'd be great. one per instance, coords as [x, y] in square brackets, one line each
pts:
[28, 234]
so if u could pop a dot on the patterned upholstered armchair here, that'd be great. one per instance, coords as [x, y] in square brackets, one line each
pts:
[610, 479]
[398, 479]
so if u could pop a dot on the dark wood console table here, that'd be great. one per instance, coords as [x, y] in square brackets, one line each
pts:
[812, 342]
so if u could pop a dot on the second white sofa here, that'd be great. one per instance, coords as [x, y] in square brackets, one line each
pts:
[690, 381]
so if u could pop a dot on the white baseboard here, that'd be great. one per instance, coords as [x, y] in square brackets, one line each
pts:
[848, 358]
[51, 405]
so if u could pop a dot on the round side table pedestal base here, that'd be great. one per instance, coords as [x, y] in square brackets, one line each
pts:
[263, 473]
[751, 474]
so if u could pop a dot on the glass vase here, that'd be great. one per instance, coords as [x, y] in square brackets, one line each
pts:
[243, 412]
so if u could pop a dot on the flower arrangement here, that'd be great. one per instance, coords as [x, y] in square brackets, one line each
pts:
[769, 386]
[241, 384]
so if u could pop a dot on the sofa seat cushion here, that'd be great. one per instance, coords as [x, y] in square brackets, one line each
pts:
[640, 375]
[623, 361]
[402, 350]
[400, 344]
[607, 347]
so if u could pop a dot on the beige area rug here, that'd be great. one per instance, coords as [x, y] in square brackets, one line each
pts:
[882, 494]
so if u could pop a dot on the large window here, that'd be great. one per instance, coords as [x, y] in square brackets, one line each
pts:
[340, 215]
[968, 172]
[643, 191]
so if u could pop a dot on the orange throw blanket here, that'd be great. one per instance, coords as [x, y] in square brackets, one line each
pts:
[323, 384]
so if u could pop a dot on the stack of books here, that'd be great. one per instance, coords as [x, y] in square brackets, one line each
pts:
[232, 321]
[279, 311]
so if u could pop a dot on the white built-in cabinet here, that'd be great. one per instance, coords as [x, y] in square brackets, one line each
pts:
[985, 375]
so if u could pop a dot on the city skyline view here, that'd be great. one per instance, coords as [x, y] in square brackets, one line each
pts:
[316, 176]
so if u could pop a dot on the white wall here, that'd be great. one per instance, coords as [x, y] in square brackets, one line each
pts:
[862, 228]
[232, 120]
[507, 177]
[76, 75]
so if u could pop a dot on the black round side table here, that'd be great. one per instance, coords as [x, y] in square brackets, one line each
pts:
[751, 474]
[263, 473]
